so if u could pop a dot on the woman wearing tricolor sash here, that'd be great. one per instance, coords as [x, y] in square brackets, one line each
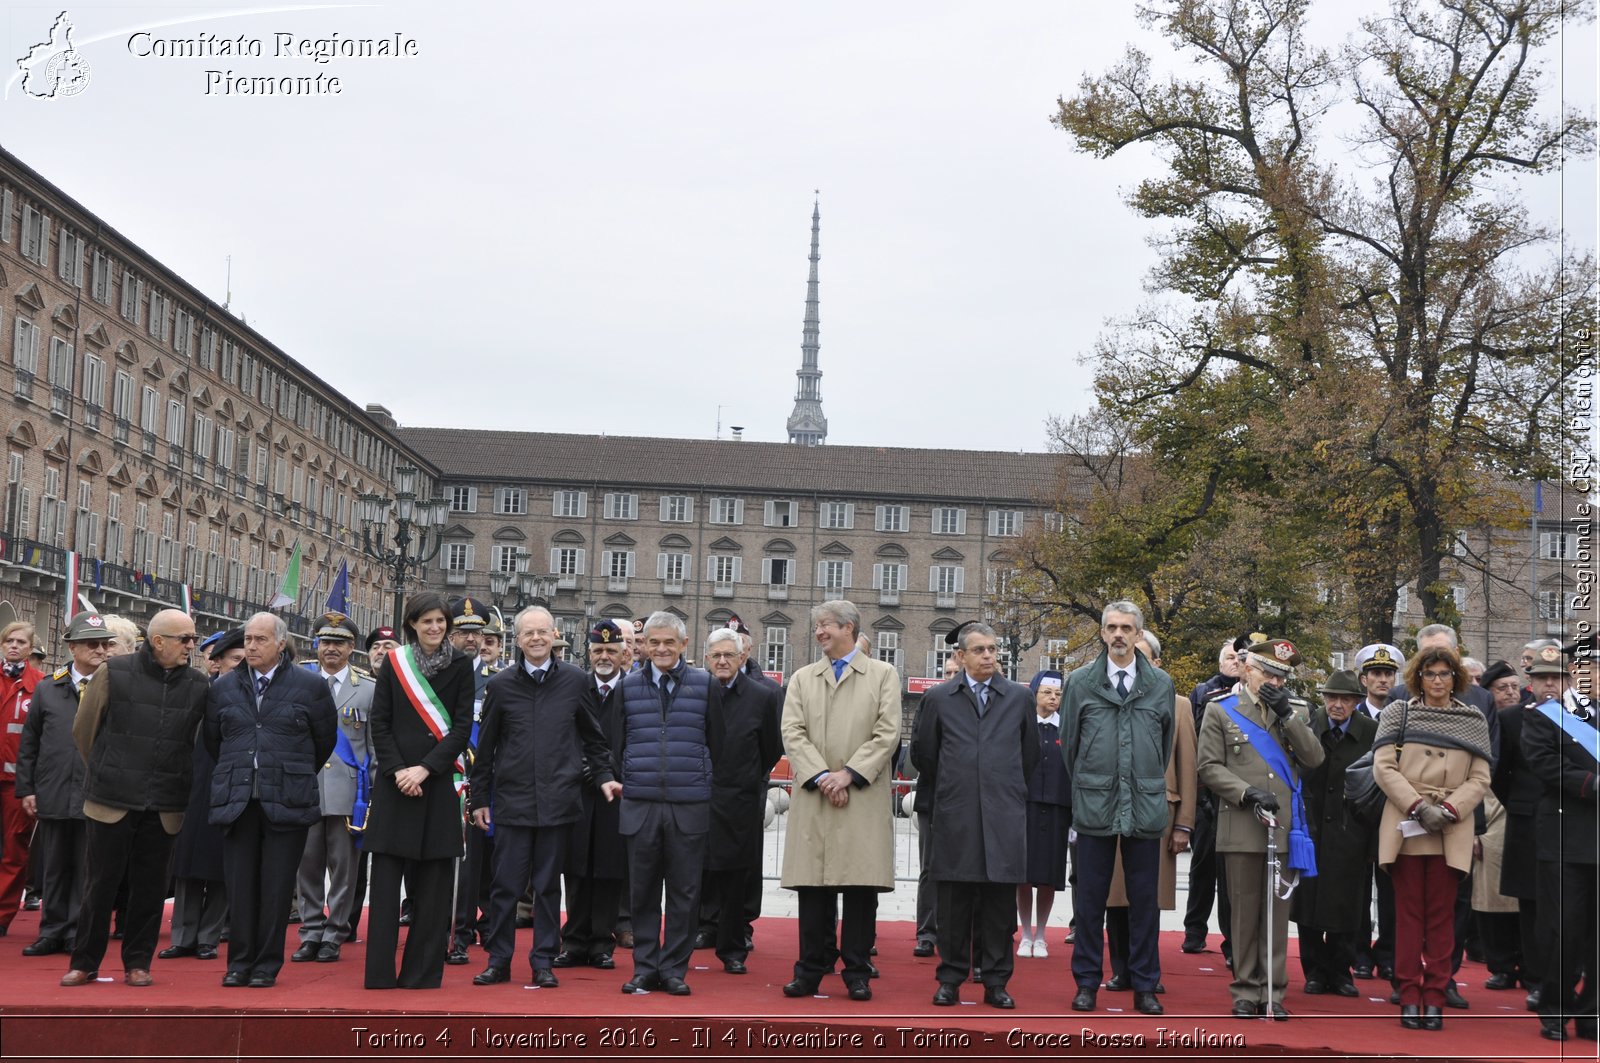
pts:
[420, 720]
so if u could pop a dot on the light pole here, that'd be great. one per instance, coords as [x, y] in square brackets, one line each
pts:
[407, 552]
[520, 588]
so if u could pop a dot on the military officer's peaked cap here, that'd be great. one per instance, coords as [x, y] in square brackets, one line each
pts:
[333, 625]
[1379, 655]
[1548, 661]
[468, 614]
[1274, 656]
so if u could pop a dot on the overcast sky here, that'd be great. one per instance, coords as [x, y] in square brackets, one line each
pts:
[595, 217]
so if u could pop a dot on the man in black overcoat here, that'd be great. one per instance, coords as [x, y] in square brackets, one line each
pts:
[1328, 906]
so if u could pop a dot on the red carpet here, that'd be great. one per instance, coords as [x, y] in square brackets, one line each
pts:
[321, 1011]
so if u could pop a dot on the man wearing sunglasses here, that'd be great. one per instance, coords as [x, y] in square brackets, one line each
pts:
[135, 730]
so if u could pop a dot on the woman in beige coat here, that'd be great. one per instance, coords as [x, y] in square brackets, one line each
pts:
[1431, 760]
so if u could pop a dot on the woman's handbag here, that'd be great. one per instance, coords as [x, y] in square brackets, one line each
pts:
[1361, 790]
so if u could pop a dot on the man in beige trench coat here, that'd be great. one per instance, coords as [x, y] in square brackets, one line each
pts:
[841, 726]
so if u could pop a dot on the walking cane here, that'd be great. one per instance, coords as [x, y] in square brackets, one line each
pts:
[1270, 821]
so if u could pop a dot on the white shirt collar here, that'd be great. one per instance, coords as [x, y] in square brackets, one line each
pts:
[342, 675]
[267, 675]
[1054, 718]
[1112, 668]
[535, 669]
[77, 676]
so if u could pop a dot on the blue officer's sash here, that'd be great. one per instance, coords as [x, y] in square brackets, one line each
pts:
[1584, 734]
[1302, 853]
[358, 814]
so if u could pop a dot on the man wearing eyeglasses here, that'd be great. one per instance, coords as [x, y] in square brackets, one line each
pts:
[135, 731]
[50, 784]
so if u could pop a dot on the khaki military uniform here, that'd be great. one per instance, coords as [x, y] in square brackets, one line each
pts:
[1228, 766]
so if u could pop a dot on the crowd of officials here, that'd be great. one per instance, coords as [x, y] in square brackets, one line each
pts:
[450, 793]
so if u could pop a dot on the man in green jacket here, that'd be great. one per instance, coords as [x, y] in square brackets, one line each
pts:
[1117, 728]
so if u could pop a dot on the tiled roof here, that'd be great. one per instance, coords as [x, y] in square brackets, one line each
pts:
[779, 468]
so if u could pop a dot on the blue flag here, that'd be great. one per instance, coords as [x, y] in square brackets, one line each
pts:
[339, 593]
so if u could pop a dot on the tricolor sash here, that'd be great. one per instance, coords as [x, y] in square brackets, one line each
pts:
[1302, 851]
[419, 692]
[1584, 734]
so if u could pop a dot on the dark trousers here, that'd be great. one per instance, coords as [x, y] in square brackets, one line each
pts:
[1326, 956]
[746, 907]
[664, 859]
[136, 848]
[526, 858]
[1117, 940]
[1224, 907]
[927, 895]
[592, 905]
[979, 919]
[259, 861]
[474, 881]
[1531, 942]
[359, 902]
[826, 938]
[1463, 922]
[427, 885]
[58, 854]
[1502, 946]
[1141, 871]
[1424, 927]
[1567, 906]
[1381, 951]
[731, 890]
[1202, 871]
[199, 912]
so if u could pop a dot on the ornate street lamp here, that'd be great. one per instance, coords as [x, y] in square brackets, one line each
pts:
[408, 550]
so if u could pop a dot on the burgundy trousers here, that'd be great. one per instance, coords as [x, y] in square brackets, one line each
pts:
[1424, 927]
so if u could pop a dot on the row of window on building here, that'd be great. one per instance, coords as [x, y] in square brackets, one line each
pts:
[776, 513]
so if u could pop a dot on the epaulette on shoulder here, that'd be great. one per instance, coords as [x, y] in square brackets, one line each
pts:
[359, 673]
[61, 673]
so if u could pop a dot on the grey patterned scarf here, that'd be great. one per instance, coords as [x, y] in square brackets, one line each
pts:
[1458, 727]
[431, 663]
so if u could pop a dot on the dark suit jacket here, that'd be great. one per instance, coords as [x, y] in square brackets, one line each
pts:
[1566, 822]
[742, 733]
[272, 749]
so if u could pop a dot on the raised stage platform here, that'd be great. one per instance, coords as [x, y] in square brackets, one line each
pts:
[320, 1011]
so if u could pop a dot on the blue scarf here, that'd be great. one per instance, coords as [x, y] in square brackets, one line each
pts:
[1302, 851]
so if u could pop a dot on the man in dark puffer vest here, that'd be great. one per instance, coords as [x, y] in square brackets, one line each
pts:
[135, 729]
[271, 727]
[666, 803]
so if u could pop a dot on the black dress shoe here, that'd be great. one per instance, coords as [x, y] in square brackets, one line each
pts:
[205, 952]
[948, 995]
[171, 952]
[1584, 1028]
[1534, 998]
[1244, 1009]
[457, 958]
[1315, 988]
[1192, 947]
[923, 948]
[306, 953]
[1410, 1017]
[329, 952]
[1279, 1012]
[872, 971]
[603, 961]
[1386, 973]
[800, 988]
[1553, 1029]
[263, 981]
[1501, 980]
[545, 978]
[676, 986]
[1453, 997]
[735, 967]
[641, 983]
[568, 959]
[1160, 987]
[996, 997]
[859, 990]
[1147, 1004]
[1433, 1017]
[703, 940]
[1083, 1000]
[1394, 997]
[492, 975]
[1118, 983]
[1347, 989]
[1363, 970]
[235, 979]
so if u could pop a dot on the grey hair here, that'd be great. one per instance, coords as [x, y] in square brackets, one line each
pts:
[516, 621]
[1149, 638]
[280, 629]
[1124, 607]
[840, 612]
[724, 634]
[1430, 630]
[1227, 645]
[975, 628]
[665, 618]
[1472, 664]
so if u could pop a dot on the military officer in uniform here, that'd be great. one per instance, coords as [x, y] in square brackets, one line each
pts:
[326, 880]
[1377, 669]
[494, 637]
[1329, 907]
[469, 621]
[1255, 745]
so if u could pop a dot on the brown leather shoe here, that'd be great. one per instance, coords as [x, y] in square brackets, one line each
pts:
[137, 976]
[77, 977]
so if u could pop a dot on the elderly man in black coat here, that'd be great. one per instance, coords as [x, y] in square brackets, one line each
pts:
[538, 733]
[271, 726]
[976, 737]
[1328, 907]
[743, 734]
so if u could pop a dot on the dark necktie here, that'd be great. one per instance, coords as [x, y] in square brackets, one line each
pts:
[1331, 736]
[666, 695]
[1122, 683]
[261, 686]
[982, 690]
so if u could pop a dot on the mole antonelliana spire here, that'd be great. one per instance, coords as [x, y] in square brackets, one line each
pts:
[807, 425]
